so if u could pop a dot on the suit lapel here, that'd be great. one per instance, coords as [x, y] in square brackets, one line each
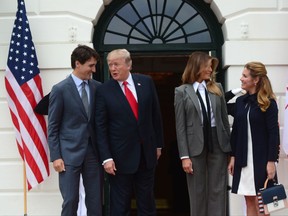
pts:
[92, 97]
[76, 95]
[213, 102]
[120, 96]
[140, 90]
[138, 87]
[192, 94]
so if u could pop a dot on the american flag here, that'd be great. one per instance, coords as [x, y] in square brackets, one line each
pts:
[24, 91]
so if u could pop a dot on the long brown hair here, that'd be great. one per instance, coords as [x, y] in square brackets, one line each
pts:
[263, 87]
[192, 71]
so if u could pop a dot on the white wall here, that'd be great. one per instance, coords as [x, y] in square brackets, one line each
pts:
[52, 23]
[253, 30]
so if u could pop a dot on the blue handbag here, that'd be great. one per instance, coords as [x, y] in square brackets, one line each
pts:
[272, 198]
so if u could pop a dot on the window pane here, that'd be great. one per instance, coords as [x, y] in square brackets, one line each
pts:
[186, 13]
[128, 14]
[114, 39]
[117, 25]
[197, 25]
[200, 38]
[157, 22]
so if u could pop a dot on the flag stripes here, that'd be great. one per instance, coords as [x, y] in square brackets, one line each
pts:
[24, 91]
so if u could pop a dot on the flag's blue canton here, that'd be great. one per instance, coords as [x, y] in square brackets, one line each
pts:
[22, 59]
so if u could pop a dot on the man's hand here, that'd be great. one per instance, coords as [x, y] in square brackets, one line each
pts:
[158, 153]
[59, 165]
[110, 167]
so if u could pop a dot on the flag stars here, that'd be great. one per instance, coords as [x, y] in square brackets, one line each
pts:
[22, 57]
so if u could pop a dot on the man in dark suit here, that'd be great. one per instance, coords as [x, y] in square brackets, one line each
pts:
[129, 139]
[71, 134]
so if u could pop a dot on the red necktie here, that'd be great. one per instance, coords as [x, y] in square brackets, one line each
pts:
[131, 99]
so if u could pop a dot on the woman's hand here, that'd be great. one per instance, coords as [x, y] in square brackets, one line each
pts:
[271, 169]
[231, 165]
[187, 166]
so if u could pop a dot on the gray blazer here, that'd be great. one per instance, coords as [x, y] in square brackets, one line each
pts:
[189, 124]
[69, 126]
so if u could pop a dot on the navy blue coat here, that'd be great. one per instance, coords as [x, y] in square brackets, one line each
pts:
[119, 135]
[265, 138]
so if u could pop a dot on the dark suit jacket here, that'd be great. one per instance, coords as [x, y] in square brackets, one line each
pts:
[69, 127]
[230, 106]
[119, 135]
[42, 107]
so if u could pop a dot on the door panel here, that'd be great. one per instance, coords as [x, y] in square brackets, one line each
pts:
[170, 181]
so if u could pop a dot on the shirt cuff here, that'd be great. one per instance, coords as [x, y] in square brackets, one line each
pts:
[109, 159]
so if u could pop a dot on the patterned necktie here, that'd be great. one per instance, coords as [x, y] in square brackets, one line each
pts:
[131, 99]
[84, 98]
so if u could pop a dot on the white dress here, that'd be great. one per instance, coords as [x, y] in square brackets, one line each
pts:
[246, 184]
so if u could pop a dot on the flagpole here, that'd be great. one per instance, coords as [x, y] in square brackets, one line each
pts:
[24, 88]
[25, 188]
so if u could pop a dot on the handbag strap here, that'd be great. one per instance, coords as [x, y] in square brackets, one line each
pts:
[266, 182]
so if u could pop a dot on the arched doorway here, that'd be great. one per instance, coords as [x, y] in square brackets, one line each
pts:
[161, 34]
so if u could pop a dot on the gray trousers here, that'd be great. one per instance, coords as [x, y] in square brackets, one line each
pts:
[207, 186]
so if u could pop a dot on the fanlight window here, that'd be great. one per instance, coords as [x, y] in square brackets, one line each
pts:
[157, 22]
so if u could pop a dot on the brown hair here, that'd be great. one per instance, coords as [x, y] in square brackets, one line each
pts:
[263, 87]
[192, 71]
[83, 53]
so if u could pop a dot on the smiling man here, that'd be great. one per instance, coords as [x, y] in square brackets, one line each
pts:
[71, 134]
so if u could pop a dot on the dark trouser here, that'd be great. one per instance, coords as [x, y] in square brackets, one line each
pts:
[92, 175]
[121, 190]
